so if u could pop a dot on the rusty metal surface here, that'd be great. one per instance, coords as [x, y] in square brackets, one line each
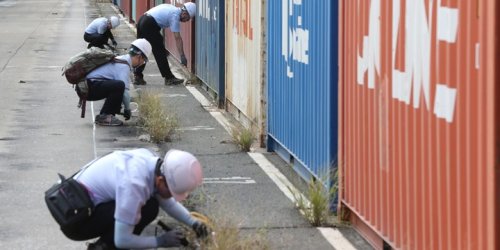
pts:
[245, 58]
[418, 130]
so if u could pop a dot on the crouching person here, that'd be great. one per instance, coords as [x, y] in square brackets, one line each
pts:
[111, 82]
[127, 189]
[98, 32]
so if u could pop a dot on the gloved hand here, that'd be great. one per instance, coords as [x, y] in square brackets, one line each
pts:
[127, 114]
[200, 229]
[184, 61]
[114, 42]
[170, 239]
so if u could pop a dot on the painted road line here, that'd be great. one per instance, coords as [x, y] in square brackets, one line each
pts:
[196, 128]
[281, 181]
[335, 238]
[91, 103]
[229, 180]
[199, 96]
[209, 107]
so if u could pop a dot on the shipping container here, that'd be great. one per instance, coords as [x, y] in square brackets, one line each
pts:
[302, 85]
[133, 17]
[245, 63]
[126, 8]
[209, 44]
[140, 7]
[187, 34]
[419, 132]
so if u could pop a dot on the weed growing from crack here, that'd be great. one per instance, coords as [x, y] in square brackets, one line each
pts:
[243, 137]
[315, 207]
[155, 119]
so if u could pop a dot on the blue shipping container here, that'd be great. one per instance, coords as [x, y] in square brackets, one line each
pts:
[209, 46]
[302, 85]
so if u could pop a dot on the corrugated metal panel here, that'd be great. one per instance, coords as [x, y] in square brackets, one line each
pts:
[302, 83]
[141, 6]
[245, 61]
[134, 17]
[126, 7]
[209, 44]
[418, 132]
[187, 33]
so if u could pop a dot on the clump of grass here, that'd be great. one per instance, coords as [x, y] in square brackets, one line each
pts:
[244, 138]
[227, 236]
[315, 207]
[155, 119]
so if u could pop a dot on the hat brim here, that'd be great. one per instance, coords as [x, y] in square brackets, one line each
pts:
[179, 197]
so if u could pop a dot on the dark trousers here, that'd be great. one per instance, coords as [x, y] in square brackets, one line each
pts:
[97, 40]
[112, 90]
[148, 29]
[102, 223]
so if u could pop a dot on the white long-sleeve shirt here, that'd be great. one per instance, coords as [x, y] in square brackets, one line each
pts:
[166, 16]
[99, 25]
[128, 178]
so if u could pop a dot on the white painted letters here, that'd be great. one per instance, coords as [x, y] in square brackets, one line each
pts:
[412, 84]
[294, 40]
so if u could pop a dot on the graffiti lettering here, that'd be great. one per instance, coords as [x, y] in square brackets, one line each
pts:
[204, 8]
[294, 40]
[414, 79]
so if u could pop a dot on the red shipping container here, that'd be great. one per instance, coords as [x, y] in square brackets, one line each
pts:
[187, 34]
[126, 7]
[141, 6]
[419, 124]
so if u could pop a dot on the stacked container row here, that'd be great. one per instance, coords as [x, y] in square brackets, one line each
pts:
[414, 85]
[419, 144]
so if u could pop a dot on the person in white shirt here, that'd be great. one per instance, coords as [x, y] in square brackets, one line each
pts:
[112, 81]
[128, 188]
[149, 27]
[98, 32]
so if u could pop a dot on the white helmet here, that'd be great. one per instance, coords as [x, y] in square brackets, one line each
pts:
[182, 172]
[115, 21]
[191, 8]
[144, 46]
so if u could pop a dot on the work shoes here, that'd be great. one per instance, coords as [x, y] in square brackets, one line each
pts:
[99, 245]
[107, 120]
[173, 81]
[139, 81]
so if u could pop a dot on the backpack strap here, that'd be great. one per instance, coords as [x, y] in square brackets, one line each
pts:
[116, 60]
[82, 103]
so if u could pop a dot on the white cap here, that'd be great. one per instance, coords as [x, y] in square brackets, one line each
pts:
[115, 21]
[143, 45]
[182, 172]
[191, 8]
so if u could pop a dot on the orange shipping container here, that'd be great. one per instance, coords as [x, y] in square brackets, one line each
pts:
[419, 122]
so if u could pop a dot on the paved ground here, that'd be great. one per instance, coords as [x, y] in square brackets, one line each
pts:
[41, 134]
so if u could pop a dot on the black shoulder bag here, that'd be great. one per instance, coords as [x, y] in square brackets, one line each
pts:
[69, 201]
